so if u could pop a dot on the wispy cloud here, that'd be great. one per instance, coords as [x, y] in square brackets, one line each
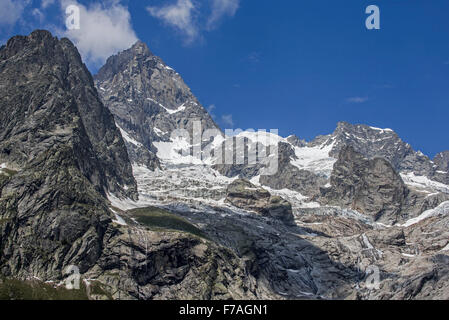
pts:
[11, 11]
[254, 57]
[446, 62]
[105, 29]
[179, 16]
[38, 14]
[220, 9]
[357, 99]
[186, 18]
[210, 110]
[227, 120]
[46, 3]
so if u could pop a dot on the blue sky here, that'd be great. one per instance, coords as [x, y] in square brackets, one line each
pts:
[298, 66]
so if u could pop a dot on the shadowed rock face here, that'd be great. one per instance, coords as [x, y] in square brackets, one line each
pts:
[65, 153]
[243, 194]
[371, 187]
[48, 101]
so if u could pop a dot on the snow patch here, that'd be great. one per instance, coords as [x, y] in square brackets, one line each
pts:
[158, 131]
[423, 182]
[408, 255]
[383, 130]
[119, 220]
[442, 209]
[128, 138]
[315, 159]
[182, 107]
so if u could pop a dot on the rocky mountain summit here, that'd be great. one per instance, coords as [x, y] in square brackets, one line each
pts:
[149, 101]
[382, 143]
[99, 174]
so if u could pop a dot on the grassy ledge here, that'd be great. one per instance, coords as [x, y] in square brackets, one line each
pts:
[158, 219]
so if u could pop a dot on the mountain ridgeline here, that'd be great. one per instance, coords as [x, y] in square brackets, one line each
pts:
[91, 177]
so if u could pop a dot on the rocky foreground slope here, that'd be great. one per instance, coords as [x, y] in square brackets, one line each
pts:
[92, 177]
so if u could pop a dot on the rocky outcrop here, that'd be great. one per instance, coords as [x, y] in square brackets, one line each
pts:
[290, 177]
[372, 187]
[66, 154]
[149, 101]
[381, 143]
[296, 141]
[142, 264]
[48, 99]
[442, 161]
[243, 194]
[369, 186]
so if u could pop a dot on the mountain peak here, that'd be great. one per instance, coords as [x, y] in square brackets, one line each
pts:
[344, 126]
[141, 47]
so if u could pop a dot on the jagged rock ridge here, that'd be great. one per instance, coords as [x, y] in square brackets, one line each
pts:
[149, 101]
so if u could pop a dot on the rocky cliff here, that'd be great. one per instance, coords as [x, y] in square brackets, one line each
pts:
[61, 155]
[369, 186]
[149, 101]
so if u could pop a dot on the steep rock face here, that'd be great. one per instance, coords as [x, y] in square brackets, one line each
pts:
[47, 96]
[52, 208]
[296, 141]
[149, 101]
[290, 177]
[243, 194]
[381, 143]
[371, 187]
[142, 264]
[442, 161]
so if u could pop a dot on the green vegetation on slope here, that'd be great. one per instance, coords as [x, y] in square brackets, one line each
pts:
[14, 289]
[159, 219]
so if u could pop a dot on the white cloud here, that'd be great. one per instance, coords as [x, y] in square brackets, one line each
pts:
[38, 14]
[179, 16]
[220, 9]
[210, 110]
[357, 99]
[11, 11]
[185, 17]
[47, 3]
[254, 57]
[105, 29]
[227, 120]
